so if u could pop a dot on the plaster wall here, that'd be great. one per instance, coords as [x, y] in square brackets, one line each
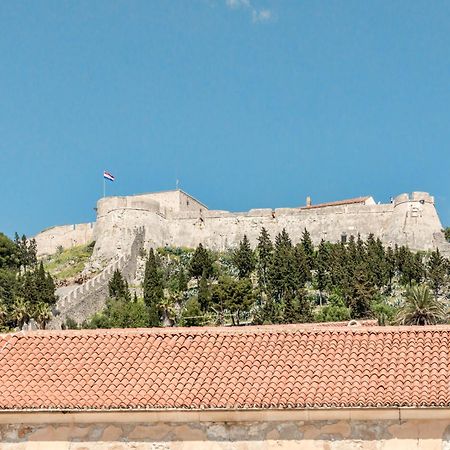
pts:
[65, 236]
[388, 434]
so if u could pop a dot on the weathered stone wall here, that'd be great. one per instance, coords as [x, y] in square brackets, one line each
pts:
[65, 236]
[173, 218]
[408, 220]
[90, 297]
[284, 435]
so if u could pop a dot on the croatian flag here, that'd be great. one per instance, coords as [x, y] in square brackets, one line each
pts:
[108, 176]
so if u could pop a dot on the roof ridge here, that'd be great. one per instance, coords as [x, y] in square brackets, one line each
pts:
[255, 329]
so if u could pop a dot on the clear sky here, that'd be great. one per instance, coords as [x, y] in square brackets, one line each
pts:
[249, 103]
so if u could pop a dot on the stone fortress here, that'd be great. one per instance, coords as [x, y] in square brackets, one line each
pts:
[125, 225]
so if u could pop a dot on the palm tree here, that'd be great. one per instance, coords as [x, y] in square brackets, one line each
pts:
[3, 312]
[42, 314]
[166, 306]
[20, 312]
[421, 308]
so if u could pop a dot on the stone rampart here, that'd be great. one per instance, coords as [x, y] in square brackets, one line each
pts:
[64, 236]
[90, 297]
[408, 220]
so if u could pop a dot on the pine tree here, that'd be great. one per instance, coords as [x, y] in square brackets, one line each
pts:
[308, 247]
[297, 309]
[243, 258]
[290, 310]
[281, 275]
[37, 286]
[264, 251]
[322, 268]
[436, 272]
[375, 259]
[390, 267]
[305, 313]
[301, 270]
[153, 289]
[360, 299]
[200, 263]
[118, 286]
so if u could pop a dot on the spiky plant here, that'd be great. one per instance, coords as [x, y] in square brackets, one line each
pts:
[42, 314]
[421, 308]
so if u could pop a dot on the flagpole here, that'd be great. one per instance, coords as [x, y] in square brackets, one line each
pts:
[104, 185]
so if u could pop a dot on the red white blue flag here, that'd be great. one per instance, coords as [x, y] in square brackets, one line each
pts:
[108, 176]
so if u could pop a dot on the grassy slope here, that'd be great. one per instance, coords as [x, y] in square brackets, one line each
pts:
[68, 263]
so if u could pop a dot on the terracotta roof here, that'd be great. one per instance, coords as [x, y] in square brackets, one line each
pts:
[247, 367]
[349, 201]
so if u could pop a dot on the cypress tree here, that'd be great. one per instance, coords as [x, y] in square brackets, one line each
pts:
[322, 268]
[200, 263]
[290, 310]
[436, 272]
[118, 286]
[182, 280]
[305, 313]
[264, 252]
[362, 292]
[301, 269]
[153, 289]
[297, 309]
[243, 258]
[308, 247]
[282, 278]
[390, 267]
[204, 294]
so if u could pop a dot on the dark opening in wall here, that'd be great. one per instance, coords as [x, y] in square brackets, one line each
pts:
[343, 238]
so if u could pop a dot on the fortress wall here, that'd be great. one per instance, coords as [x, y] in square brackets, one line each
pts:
[170, 221]
[114, 231]
[222, 230]
[65, 236]
[405, 222]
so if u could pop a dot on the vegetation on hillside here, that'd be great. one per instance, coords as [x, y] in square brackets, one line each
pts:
[68, 263]
[278, 282]
[27, 291]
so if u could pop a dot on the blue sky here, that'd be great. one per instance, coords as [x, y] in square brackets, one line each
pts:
[249, 103]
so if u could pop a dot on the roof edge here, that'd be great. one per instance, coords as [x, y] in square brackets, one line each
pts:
[222, 415]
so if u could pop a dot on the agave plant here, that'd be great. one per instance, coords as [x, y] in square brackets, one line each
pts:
[421, 308]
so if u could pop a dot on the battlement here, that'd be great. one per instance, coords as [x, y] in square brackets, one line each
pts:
[421, 197]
